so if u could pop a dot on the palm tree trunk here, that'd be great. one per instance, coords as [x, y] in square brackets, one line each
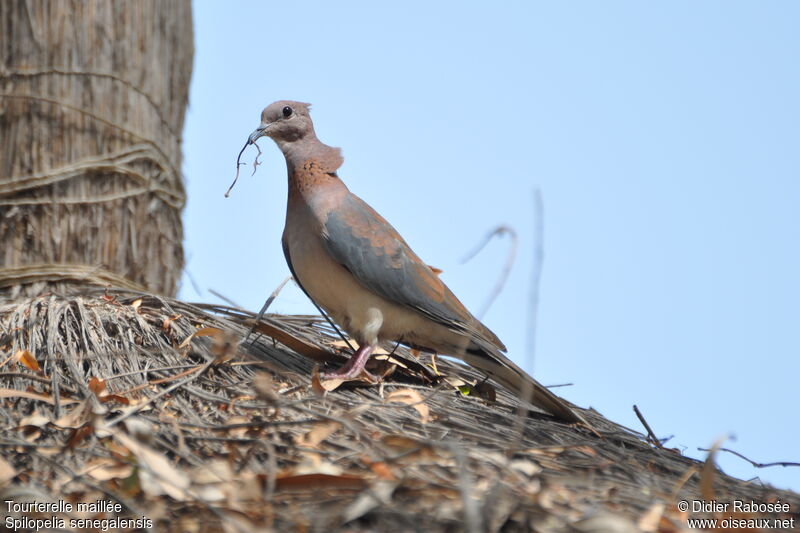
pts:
[92, 101]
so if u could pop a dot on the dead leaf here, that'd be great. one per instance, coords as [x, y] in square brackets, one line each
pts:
[316, 384]
[547, 452]
[529, 468]
[157, 475]
[605, 522]
[686, 476]
[265, 389]
[224, 346]
[34, 420]
[339, 343]
[412, 398]
[241, 431]
[7, 472]
[456, 383]
[115, 398]
[79, 434]
[211, 481]
[301, 346]
[76, 417]
[31, 426]
[401, 443]
[27, 359]
[433, 364]
[709, 470]
[97, 386]
[140, 429]
[411, 449]
[105, 469]
[136, 305]
[485, 391]
[167, 323]
[186, 341]
[380, 469]
[313, 463]
[649, 520]
[110, 298]
[379, 494]
[318, 433]
[13, 393]
[208, 332]
[343, 345]
[116, 449]
[50, 451]
[390, 359]
[202, 332]
[321, 387]
[358, 410]
[482, 389]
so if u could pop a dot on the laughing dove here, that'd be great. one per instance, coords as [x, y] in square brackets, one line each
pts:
[353, 264]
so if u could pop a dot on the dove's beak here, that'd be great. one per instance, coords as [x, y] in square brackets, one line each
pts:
[258, 133]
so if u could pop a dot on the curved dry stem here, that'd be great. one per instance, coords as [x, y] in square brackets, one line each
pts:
[510, 258]
[239, 164]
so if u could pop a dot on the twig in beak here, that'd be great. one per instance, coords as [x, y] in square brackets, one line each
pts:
[239, 164]
[256, 162]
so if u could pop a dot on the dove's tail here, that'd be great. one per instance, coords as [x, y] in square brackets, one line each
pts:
[503, 370]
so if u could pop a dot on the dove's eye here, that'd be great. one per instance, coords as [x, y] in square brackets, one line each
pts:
[287, 112]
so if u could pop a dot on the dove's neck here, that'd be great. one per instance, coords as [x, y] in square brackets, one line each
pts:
[312, 170]
[298, 153]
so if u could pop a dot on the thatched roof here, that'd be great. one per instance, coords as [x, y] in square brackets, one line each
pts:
[159, 406]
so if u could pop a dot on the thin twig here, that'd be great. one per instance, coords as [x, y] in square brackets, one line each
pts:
[266, 305]
[650, 435]
[193, 281]
[239, 164]
[533, 312]
[256, 162]
[754, 463]
[258, 424]
[226, 300]
[512, 254]
[149, 370]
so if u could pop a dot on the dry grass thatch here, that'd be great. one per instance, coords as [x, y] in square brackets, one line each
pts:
[92, 100]
[159, 410]
[155, 404]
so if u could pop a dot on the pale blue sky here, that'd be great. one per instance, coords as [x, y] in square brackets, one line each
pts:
[664, 138]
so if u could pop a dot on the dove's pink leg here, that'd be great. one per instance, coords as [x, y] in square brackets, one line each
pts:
[352, 368]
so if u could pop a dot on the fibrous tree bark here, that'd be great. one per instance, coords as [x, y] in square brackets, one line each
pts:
[92, 102]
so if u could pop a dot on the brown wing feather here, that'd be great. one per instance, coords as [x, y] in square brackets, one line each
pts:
[368, 246]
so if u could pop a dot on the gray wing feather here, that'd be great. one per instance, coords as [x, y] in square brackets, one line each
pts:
[389, 269]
